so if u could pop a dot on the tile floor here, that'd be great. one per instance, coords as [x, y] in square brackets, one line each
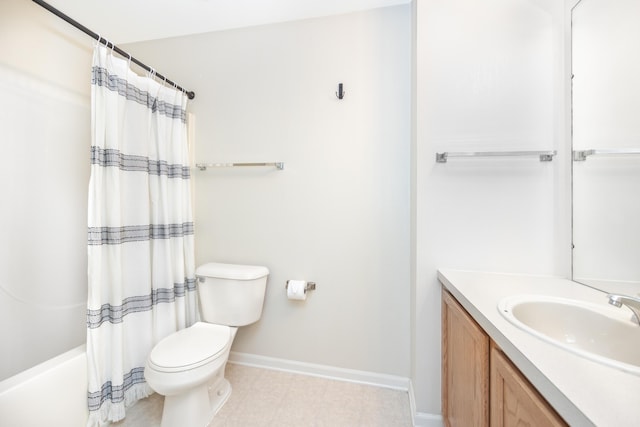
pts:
[263, 397]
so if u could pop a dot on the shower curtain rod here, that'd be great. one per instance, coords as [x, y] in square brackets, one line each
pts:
[190, 94]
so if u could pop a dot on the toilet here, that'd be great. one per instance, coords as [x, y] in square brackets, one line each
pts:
[187, 367]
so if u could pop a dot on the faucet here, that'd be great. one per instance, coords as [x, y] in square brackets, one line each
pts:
[632, 303]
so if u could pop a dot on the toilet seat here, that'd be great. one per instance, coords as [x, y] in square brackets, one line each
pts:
[190, 348]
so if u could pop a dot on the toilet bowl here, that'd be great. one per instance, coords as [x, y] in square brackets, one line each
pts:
[188, 366]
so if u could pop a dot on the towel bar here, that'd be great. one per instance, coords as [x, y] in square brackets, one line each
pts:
[205, 166]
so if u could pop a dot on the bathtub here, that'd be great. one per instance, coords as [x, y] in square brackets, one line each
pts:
[51, 394]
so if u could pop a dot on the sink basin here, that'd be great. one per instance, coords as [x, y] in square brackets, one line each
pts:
[598, 332]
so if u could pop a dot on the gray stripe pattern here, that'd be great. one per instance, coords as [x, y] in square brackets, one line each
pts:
[115, 393]
[137, 233]
[116, 313]
[101, 77]
[127, 162]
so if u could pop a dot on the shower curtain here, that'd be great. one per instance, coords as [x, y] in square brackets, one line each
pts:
[140, 239]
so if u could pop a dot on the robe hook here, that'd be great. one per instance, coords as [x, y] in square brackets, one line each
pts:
[340, 93]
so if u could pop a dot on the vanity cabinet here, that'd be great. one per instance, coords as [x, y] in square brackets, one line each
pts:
[465, 367]
[480, 385]
[514, 401]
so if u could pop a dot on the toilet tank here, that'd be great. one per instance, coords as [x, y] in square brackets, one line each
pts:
[231, 294]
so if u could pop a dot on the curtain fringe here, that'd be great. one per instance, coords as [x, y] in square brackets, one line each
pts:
[111, 412]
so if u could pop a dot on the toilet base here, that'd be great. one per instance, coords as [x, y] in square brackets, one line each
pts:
[196, 407]
[218, 395]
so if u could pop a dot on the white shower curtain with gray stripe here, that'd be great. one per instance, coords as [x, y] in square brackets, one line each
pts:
[140, 240]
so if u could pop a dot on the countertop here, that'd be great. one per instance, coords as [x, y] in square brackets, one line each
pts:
[583, 392]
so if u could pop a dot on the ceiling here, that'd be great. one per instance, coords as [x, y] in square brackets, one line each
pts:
[126, 21]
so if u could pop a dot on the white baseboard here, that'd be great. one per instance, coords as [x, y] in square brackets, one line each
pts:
[423, 419]
[324, 371]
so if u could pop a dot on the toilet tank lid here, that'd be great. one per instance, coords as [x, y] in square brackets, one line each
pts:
[232, 271]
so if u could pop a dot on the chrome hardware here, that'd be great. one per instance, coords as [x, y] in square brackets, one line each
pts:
[581, 155]
[544, 156]
[631, 303]
[311, 286]
[205, 166]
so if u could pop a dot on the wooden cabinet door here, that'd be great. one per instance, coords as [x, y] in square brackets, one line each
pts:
[465, 367]
[514, 401]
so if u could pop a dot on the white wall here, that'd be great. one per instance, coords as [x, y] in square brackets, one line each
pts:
[44, 116]
[488, 77]
[338, 214]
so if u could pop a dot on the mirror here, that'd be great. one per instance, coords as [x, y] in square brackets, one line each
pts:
[606, 144]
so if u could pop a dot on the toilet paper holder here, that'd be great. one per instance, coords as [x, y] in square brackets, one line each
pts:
[310, 286]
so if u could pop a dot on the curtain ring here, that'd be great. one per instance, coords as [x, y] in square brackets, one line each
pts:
[129, 64]
[99, 38]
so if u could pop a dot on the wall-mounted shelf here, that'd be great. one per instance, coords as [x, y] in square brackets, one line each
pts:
[205, 166]
[581, 155]
[544, 156]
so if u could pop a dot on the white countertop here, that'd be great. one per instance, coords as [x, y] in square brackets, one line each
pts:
[583, 392]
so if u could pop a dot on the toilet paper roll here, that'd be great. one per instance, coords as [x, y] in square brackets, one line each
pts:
[296, 290]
